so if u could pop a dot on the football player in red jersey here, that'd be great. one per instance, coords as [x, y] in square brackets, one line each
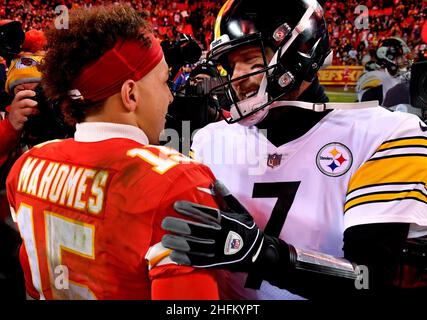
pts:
[89, 209]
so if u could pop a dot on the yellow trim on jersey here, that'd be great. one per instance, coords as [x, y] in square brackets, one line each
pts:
[385, 197]
[154, 261]
[404, 142]
[398, 169]
[38, 146]
[370, 84]
[217, 27]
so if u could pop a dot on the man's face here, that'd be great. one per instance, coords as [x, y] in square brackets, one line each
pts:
[247, 60]
[187, 68]
[156, 97]
[404, 62]
[243, 61]
[25, 86]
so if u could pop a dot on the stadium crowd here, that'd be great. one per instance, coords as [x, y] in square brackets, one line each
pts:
[353, 45]
[169, 18]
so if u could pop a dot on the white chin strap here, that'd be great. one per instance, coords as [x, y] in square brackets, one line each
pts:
[316, 107]
[321, 107]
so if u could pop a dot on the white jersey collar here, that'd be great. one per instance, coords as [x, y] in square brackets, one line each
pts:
[99, 131]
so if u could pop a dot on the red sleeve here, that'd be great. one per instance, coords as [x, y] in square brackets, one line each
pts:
[169, 280]
[9, 139]
[198, 284]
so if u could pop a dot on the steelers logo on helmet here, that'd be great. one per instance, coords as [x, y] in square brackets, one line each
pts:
[294, 45]
[334, 159]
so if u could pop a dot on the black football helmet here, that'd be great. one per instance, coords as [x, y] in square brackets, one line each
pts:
[394, 55]
[297, 34]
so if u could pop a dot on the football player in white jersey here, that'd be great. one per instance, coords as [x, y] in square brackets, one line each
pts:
[336, 192]
[393, 61]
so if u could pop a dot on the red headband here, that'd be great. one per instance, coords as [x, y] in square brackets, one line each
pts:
[129, 59]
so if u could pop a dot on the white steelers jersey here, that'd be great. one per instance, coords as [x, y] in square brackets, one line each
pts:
[354, 167]
[373, 79]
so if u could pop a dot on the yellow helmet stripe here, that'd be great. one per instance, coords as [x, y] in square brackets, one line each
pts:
[225, 7]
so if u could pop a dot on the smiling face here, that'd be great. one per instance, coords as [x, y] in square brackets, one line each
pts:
[249, 59]
[243, 61]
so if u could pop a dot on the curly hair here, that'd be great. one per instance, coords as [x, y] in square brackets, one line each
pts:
[91, 33]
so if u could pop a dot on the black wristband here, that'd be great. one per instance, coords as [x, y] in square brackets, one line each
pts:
[275, 259]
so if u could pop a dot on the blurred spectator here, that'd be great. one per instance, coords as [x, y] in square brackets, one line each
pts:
[181, 78]
[168, 17]
[35, 41]
[22, 79]
[353, 53]
[197, 18]
[386, 18]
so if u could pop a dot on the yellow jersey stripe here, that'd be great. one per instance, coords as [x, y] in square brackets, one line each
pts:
[390, 169]
[217, 27]
[371, 83]
[154, 261]
[376, 197]
[403, 147]
[404, 143]
[399, 155]
[386, 184]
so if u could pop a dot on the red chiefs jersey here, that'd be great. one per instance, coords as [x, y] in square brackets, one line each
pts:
[90, 214]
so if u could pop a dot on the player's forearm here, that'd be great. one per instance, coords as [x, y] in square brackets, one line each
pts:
[315, 275]
[307, 273]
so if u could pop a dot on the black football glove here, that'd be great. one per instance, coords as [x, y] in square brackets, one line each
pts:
[227, 238]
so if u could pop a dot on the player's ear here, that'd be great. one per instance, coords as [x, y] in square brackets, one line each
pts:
[130, 95]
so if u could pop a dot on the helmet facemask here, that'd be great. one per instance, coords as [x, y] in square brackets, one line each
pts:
[242, 107]
[298, 54]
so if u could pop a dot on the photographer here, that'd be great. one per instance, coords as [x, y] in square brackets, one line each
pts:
[192, 107]
[22, 79]
[11, 39]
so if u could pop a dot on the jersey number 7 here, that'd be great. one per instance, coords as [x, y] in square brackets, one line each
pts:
[285, 193]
